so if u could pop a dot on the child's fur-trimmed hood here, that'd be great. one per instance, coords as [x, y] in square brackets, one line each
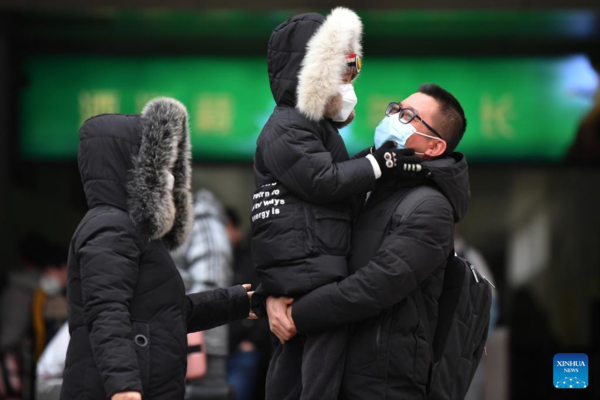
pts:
[307, 58]
[325, 62]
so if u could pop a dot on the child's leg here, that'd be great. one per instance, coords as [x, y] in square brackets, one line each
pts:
[323, 364]
[284, 378]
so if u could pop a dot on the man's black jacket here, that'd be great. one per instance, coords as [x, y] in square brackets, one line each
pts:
[388, 357]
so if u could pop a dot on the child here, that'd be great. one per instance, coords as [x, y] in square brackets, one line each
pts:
[306, 186]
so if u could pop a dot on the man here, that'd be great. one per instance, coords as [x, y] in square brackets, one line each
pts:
[397, 252]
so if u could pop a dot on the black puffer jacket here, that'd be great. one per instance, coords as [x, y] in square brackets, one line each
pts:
[128, 312]
[394, 254]
[305, 182]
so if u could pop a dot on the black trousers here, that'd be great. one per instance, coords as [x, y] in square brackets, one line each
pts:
[308, 367]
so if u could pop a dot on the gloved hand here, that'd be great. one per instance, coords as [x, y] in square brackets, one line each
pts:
[393, 161]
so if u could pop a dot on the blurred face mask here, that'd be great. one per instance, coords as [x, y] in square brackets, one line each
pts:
[350, 100]
[50, 285]
[391, 129]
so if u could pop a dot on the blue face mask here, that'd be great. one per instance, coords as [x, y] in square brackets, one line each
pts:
[391, 129]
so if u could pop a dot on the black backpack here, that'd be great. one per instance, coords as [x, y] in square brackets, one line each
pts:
[463, 318]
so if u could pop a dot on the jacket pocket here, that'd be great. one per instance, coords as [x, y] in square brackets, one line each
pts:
[141, 339]
[332, 230]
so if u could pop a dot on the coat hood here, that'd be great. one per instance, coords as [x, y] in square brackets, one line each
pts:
[125, 161]
[451, 176]
[307, 58]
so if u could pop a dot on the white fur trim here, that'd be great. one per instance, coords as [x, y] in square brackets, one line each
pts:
[325, 61]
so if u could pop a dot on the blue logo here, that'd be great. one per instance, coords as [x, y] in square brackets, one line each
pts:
[571, 371]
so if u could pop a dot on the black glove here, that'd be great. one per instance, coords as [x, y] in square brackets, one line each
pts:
[392, 161]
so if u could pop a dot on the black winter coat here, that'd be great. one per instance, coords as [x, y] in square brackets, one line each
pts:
[388, 356]
[305, 182]
[128, 312]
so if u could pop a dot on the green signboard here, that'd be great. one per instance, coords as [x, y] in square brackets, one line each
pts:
[518, 109]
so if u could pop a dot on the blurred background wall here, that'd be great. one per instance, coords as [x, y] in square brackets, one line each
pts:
[523, 71]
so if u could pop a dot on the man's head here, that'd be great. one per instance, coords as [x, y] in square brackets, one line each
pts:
[440, 117]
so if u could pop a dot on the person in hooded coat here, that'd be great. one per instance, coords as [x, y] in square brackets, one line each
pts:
[401, 242]
[306, 187]
[128, 312]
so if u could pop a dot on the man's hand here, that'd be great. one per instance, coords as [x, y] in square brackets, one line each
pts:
[248, 286]
[280, 318]
[127, 396]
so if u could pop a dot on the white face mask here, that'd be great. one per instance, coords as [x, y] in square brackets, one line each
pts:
[350, 100]
[50, 285]
[170, 182]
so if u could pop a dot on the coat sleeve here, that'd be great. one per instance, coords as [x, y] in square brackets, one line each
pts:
[109, 259]
[300, 162]
[408, 255]
[212, 308]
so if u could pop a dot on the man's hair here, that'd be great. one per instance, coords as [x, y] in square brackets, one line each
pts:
[452, 122]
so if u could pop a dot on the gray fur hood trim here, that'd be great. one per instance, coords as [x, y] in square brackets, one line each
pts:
[164, 147]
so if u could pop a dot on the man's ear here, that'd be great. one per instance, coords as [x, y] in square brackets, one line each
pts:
[436, 148]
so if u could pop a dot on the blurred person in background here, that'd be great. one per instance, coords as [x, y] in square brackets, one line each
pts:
[49, 311]
[586, 146]
[49, 305]
[51, 364]
[128, 310]
[17, 295]
[16, 299]
[249, 344]
[205, 262]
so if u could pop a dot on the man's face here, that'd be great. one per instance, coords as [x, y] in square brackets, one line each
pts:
[427, 108]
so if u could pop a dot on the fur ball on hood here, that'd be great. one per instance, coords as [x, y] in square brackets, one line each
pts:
[325, 63]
